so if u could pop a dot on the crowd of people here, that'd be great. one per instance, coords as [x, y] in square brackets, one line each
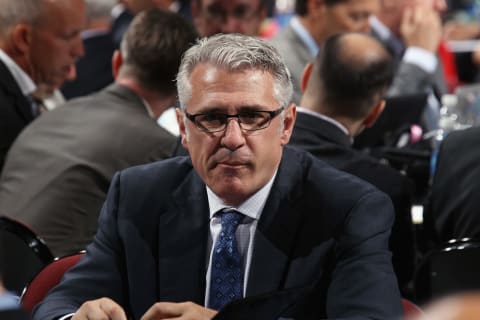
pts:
[261, 205]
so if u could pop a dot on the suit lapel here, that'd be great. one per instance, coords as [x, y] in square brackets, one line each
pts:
[183, 238]
[277, 230]
[20, 102]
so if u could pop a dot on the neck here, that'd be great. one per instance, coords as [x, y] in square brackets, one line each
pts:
[311, 25]
[157, 102]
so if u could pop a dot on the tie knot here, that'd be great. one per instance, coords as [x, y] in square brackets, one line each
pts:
[230, 218]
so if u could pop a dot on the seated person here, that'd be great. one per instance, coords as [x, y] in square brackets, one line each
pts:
[452, 209]
[328, 121]
[242, 217]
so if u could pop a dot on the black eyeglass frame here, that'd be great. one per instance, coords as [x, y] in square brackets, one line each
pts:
[272, 115]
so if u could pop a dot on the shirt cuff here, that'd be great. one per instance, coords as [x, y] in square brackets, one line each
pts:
[422, 58]
[66, 317]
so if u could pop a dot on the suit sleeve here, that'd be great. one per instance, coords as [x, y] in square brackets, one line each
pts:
[98, 274]
[410, 79]
[363, 283]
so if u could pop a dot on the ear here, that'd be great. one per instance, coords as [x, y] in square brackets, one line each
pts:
[288, 123]
[374, 114]
[117, 61]
[181, 127]
[22, 37]
[307, 72]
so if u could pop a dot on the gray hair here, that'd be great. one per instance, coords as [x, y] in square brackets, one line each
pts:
[98, 9]
[235, 52]
[13, 12]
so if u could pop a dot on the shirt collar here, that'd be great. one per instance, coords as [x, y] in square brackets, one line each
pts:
[305, 36]
[252, 207]
[23, 80]
[323, 117]
[382, 30]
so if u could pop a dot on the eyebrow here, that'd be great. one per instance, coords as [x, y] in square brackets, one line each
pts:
[245, 108]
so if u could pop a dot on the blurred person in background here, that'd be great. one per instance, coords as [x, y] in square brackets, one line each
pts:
[58, 171]
[39, 43]
[300, 41]
[94, 69]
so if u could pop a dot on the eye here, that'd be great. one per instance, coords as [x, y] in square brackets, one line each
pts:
[212, 117]
[250, 117]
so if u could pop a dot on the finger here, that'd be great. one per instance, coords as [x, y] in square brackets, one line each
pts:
[163, 310]
[112, 310]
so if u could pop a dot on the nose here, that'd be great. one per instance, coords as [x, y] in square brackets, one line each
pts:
[78, 49]
[441, 5]
[230, 25]
[233, 137]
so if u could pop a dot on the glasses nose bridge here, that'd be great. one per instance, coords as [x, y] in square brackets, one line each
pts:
[232, 117]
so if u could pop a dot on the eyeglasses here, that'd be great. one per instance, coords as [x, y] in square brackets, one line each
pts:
[247, 120]
[240, 13]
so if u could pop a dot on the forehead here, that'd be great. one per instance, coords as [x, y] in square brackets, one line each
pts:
[64, 13]
[230, 3]
[212, 86]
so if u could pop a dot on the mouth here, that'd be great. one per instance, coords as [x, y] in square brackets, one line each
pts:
[232, 164]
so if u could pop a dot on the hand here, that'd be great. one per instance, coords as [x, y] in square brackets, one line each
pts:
[100, 309]
[179, 311]
[421, 27]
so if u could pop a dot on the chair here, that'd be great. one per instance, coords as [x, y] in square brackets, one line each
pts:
[46, 279]
[22, 254]
[450, 269]
[410, 309]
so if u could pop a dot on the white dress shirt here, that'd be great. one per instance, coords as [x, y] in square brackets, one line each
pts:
[23, 80]
[252, 209]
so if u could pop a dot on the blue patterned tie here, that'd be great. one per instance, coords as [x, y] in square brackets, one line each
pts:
[226, 278]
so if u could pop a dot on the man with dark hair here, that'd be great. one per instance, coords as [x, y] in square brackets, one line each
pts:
[343, 94]
[58, 171]
[234, 16]
[314, 21]
[39, 43]
[243, 216]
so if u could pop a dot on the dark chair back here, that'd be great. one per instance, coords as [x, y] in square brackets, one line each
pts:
[450, 269]
[22, 254]
[46, 279]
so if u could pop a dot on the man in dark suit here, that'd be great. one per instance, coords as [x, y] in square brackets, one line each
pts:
[39, 43]
[241, 217]
[57, 173]
[328, 120]
[453, 205]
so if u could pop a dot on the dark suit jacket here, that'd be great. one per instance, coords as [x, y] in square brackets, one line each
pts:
[58, 171]
[15, 111]
[328, 143]
[94, 69]
[154, 227]
[454, 203]
[16, 314]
